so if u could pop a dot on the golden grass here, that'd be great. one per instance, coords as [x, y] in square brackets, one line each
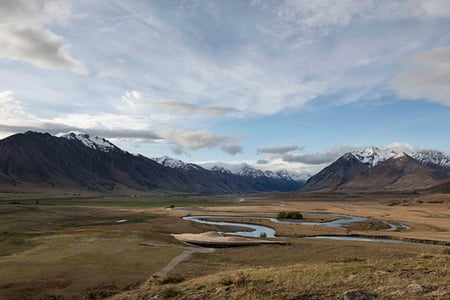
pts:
[76, 248]
[388, 279]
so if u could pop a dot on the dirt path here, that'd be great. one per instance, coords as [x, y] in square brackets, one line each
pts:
[182, 257]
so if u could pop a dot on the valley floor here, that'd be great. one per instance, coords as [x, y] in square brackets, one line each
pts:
[73, 247]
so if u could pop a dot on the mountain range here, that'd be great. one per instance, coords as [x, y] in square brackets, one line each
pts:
[35, 160]
[374, 169]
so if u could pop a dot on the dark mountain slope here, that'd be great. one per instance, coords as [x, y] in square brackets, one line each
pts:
[336, 174]
[48, 161]
[399, 173]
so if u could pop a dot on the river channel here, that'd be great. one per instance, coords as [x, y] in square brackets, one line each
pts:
[253, 230]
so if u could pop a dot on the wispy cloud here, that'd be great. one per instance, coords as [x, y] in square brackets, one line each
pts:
[232, 149]
[427, 77]
[278, 150]
[187, 108]
[197, 139]
[319, 158]
[55, 128]
[113, 72]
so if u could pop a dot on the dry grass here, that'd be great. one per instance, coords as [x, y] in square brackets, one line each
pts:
[388, 279]
[80, 251]
[300, 251]
[73, 247]
[69, 264]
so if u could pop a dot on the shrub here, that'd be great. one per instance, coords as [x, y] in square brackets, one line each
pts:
[289, 215]
[282, 215]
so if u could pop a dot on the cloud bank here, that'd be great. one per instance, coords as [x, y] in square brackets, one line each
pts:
[111, 126]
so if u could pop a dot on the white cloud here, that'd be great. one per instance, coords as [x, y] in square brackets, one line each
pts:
[131, 97]
[427, 77]
[400, 147]
[198, 139]
[13, 111]
[102, 120]
[24, 38]
[37, 46]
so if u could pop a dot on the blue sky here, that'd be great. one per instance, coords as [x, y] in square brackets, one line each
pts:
[278, 84]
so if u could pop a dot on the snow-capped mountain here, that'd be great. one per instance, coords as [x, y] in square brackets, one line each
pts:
[78, 161]
[174, 163]
[375, 168]
[220, 170]
[247, 170]
[372, 156]
[432, 158]
[93, 142]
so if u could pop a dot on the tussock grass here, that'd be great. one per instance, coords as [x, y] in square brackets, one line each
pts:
[386, 278]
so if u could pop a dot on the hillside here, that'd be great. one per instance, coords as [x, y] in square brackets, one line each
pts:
[77, 161]
[398, 173]
[336, 174]
[374, 169]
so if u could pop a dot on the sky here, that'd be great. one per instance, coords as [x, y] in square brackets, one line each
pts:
[282, 84]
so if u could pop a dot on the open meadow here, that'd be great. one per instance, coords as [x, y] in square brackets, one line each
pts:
[96, 247]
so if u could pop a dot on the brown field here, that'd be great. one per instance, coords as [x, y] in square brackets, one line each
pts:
[74, 248]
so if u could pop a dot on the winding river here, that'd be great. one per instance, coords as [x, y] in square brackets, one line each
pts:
[253, 230]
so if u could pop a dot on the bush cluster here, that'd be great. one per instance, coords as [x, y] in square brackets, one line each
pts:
[289, 215]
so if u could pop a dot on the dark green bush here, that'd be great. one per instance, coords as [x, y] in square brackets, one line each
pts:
[289, 215]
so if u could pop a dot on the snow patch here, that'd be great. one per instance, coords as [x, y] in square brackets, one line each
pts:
[174, 163]
[93, 142]
[374, 155]
[244, 169]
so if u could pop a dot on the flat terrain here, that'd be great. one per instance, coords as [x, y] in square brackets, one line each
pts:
[95, 246]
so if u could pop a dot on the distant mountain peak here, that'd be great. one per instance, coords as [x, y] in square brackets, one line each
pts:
[246, 170]
[93, 142]
[174, 163]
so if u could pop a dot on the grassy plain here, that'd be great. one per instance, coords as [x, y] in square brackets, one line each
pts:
[72, 246]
